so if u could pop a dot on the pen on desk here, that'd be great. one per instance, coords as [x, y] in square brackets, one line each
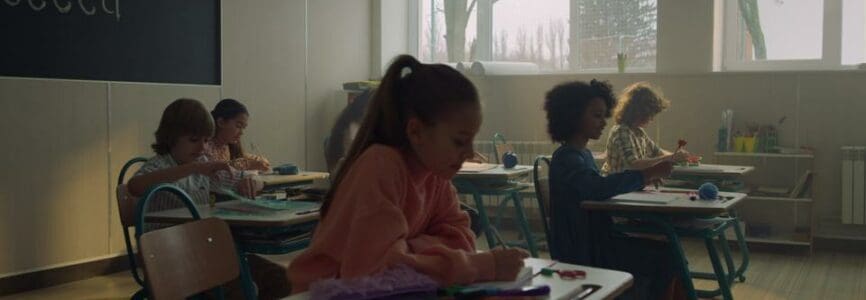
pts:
[497, 236]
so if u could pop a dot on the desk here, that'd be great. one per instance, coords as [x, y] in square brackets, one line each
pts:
[271, 223]
[660, 216]
[679, 205]
[276, 180]
[497, 181]
[278, 218]
[496, 174]
[712, 170]
[613, 283]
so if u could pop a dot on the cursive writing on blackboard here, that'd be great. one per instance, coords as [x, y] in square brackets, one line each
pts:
[64, 8]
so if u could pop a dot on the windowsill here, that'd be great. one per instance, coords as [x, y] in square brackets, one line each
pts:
[580, 72]
[613, 73]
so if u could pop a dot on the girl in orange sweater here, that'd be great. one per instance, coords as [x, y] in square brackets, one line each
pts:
[392, 201]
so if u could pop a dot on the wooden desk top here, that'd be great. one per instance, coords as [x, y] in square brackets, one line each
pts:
[276, 179]
[497, 173]
[680, 203]
[612, 283]
[269, 218]
[710, 170]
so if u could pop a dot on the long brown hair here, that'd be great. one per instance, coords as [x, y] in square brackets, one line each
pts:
[638, 101]
[228, 109]
[409, 89]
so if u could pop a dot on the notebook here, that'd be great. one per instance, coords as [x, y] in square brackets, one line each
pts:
[272, 204]
[647, 197]
[476, 167]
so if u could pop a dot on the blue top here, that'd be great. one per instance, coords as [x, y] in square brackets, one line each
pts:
[579, 236]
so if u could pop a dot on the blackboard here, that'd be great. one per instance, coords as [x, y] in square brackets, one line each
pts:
[168, 41]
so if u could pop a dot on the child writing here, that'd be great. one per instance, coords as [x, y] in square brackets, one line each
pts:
[628, 145]
[181, 139]
[576, 113]
[231, 118]
[392, 201]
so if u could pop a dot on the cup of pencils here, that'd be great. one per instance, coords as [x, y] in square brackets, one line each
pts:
[620, 61]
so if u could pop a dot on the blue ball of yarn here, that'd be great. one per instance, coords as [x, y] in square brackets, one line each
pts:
[509, 159]
[708, 191]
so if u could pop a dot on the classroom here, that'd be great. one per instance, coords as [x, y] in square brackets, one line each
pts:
[433, 149]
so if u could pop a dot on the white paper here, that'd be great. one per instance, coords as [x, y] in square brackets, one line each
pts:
[523, 279]
[648, 197]
[472, 167]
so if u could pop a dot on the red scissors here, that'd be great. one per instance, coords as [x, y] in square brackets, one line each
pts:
[571, 274]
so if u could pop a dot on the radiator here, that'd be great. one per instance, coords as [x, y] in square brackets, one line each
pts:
[853, 182]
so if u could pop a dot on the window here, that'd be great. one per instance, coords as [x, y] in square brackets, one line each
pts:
[525, 31]
[853, 32]
[793, 34]
[540, 32]
[436, 44]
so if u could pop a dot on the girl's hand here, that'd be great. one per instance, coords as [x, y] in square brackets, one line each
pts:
[259, 163]
[248, 187]
[680, 156]
[657, 182]
[660, 170]
[508, 262]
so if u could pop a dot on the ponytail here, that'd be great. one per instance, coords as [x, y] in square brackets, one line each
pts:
[409, 89]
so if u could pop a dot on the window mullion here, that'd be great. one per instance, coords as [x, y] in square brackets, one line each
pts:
[414, 33]
[832, 41]
[484, 36]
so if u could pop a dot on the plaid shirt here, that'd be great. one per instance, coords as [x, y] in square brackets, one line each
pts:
[198, 186]
[625, 145]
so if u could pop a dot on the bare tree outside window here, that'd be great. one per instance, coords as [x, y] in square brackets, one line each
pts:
[556, 35]
[607, 27]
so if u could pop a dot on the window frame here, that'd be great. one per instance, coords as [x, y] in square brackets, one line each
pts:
[831, 47]
[484, 34]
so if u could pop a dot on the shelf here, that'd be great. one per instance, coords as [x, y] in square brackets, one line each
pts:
[784, 199]
[775, 155]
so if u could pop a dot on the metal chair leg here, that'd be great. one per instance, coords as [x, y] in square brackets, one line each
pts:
[524, 225]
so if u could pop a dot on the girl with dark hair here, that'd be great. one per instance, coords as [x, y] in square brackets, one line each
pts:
[231, 118]
[576, 113]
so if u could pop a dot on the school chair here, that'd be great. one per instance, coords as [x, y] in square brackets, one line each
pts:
[500, 147]
[508, 193]
[189, 259]
[140, 214]
[541, 178]
[126, 209]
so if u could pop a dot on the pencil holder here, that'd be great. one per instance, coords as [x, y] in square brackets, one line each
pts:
[738, 144]
[749, 144]
[621, 59]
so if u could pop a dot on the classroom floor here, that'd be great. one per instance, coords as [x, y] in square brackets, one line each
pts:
[771, 275]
